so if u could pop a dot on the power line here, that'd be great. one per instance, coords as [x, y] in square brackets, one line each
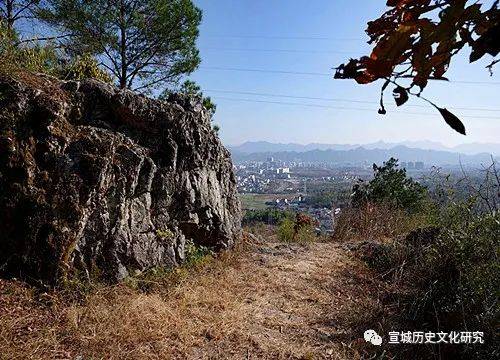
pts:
[474, 82]
[337, 99]
[219, 68]
[341, 107]
[271, 37]
[294, 103]
[279, 50]
[263, 71]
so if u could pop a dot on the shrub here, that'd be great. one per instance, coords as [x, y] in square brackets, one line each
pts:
[46, 58]
[390, 185]
[438, 253]
[380, 222]
[305, 235]
[301, 230]
[448, 276]
[35, 57]
[39, 58]
[85, 67]
[196, 254]
[286, 230]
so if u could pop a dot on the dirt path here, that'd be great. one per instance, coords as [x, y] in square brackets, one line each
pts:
[300, 300]
[267, 301]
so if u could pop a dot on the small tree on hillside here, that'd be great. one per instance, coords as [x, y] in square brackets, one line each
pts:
[390, 185]
[145, 44]
[192, 89]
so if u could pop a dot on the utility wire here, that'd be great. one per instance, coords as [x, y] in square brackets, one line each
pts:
[341, 107]
[219, 68]
[279, 50]
[337, 100]
[271, 37]
[263, 71]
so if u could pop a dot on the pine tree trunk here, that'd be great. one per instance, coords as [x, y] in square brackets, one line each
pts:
[10, 14]
[123, 47]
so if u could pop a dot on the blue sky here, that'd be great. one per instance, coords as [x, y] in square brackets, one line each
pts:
[312, 37]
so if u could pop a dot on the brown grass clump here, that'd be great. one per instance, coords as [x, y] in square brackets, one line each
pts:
[45, 86]
[265, 300]
[376, 222]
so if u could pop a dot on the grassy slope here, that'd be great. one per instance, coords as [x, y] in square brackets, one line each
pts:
[265, 300]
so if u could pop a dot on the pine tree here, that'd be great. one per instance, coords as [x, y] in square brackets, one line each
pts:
[145, 44]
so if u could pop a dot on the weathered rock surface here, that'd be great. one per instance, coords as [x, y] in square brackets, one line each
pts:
[102, 182]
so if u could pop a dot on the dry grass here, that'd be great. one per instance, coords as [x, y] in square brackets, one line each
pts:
[265, 300]
[44, 84]
[376, 222]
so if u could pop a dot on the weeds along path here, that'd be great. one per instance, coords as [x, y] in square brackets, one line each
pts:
[266, 300]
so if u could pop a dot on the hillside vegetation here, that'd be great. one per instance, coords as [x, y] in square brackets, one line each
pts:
[264, 300]
[438, 251]
[396, 263]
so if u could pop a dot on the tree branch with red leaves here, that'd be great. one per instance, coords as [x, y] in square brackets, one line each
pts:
[417, 39]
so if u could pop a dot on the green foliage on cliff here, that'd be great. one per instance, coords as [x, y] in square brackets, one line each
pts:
[190, 88]
[32, 57]
[85, 67]
[47, 58]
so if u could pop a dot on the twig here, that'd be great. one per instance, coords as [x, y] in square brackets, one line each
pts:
[47, 38]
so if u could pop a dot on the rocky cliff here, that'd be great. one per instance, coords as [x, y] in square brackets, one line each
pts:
[100, 182]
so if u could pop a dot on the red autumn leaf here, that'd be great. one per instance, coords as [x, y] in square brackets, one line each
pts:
[417, 39]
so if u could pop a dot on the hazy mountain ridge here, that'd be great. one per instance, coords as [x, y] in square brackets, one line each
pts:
[362, 155]
[269, 147]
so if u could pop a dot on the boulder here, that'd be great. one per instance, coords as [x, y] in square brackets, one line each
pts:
[101, 182]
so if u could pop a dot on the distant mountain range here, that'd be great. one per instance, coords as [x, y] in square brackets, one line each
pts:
[264, 146]
[365, 154]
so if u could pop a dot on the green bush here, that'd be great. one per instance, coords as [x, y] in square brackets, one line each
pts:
[305, 235]
[31, 56]
[39, 58]
[85, 67]
[46, 58]
[390, 185]
[439, 251]
[286, 230]
[451, 275]
[196, 254]
[301, 230]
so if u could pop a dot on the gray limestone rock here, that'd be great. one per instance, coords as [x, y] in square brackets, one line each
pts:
[104, 183]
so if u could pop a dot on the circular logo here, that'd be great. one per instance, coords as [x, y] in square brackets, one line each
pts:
[371, 336]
